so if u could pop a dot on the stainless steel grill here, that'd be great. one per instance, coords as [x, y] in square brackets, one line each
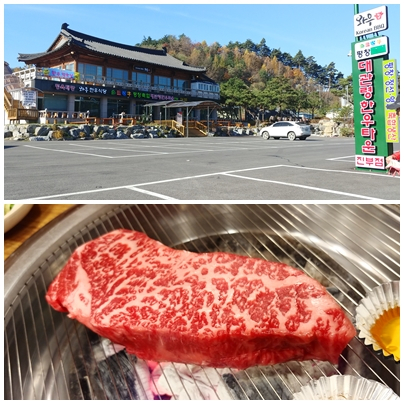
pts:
[349, 248]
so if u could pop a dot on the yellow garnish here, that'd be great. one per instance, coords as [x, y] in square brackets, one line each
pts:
[386, 332]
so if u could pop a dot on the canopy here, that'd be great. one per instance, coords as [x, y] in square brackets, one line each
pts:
[206, 104]
[182, 104]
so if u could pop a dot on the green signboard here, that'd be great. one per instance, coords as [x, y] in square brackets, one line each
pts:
[390, 94]
[371, 147]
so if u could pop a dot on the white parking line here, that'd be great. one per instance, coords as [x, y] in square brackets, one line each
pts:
[113, 148]
[341, 171]
[143, 191]
[67, 151]
[139, 148]
[153, 153]
[339, 158]
[136, 187]
[301, 186]
[149, 183]
[346, 161]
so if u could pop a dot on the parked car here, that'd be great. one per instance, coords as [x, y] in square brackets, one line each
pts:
[288, 129]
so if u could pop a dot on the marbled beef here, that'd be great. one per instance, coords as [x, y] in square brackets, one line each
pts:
[216, 309]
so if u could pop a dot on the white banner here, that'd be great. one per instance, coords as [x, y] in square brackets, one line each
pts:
[29, 98]
[179, 118]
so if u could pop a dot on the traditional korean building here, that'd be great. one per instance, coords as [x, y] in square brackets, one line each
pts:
[81, 74]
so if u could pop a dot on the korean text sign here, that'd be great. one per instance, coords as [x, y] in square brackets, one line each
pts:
[370, 21]
[390, 86]
[371, 147]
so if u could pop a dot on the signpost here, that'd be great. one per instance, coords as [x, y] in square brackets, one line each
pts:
[374, 83]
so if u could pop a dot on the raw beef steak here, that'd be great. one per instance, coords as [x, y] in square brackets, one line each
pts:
[215, 309]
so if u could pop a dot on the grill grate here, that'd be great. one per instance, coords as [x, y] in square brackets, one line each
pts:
[349, 248]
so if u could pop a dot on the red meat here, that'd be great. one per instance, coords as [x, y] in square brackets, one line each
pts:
[214, 309]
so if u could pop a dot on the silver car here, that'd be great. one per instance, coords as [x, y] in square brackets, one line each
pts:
[287, 129]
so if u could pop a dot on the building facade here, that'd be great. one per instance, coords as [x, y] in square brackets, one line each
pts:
[83, 75]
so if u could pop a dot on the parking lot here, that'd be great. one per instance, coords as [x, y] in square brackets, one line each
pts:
[192, 169]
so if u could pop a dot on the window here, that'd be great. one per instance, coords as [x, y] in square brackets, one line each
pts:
[181, 84]
[84, 104]
[70, 67]
[117, 75]
[141, 78]
[55, 102]
[89, 72]
[140, 109]
[116, 106]
[208, 87]
[162, 81]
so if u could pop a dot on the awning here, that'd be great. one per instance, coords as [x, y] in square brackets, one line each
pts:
[195, 104]
[189, 106]
[182, 104]
[160, 103]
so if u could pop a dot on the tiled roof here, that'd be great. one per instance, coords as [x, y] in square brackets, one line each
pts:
[135, 53]
[26, 57]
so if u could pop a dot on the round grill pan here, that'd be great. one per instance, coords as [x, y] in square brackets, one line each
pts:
[349, 248]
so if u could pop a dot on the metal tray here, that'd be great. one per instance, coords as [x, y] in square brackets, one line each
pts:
[349, 248]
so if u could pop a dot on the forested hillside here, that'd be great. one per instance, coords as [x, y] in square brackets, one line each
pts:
[256, 76]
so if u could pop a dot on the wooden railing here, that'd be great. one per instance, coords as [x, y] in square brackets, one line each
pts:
[16, 114]
[9, 101]
[201, 127]
[173, 125]
[14, 110]
[192, 124]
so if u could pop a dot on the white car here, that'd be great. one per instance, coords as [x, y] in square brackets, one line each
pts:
[288, 129]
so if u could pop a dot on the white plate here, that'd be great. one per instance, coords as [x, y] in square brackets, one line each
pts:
[15, 215]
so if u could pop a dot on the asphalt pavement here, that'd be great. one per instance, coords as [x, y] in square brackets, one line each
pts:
[245, 168]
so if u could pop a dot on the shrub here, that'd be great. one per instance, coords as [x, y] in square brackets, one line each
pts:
[347, 131]
[57, 135]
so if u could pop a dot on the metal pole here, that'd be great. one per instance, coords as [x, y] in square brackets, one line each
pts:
[356, 11]
[187, 121]
[207, 123]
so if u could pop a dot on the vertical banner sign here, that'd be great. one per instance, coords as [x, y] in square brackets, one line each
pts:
[179, 118]
[371, 79]
[390, 94]
[367, 137]
[371, 147]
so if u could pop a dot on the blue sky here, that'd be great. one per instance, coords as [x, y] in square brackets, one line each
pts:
[324, 31]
